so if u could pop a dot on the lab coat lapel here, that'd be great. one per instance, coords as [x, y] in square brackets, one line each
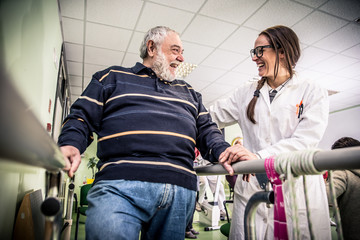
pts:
[265, 94]
[290, 84]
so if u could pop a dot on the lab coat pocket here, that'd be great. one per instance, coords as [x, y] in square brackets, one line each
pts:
[287, 119]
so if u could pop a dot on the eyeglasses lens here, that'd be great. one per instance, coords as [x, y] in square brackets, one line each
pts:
[258, 51]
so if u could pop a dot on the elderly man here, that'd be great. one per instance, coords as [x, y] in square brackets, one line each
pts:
[148, 125]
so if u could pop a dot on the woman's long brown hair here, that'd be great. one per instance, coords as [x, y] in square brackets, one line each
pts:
[284, 40]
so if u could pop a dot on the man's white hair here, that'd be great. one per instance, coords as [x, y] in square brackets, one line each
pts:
[157, 35]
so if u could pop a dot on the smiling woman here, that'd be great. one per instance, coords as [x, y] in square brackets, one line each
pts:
[282, 116]
[276, 67]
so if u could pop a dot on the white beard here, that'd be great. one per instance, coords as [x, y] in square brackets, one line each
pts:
[161, 68]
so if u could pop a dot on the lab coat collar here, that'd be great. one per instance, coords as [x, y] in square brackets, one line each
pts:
[266, 88]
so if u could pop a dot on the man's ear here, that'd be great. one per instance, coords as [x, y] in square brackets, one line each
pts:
[151, 48]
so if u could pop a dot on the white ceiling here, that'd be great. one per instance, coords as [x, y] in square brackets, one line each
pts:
[217, 36]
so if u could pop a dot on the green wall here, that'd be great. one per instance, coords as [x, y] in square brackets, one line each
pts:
[30, 42]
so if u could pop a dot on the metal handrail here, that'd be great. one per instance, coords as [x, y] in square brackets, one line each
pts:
[337, 159]
[24, 139]
[250, 211]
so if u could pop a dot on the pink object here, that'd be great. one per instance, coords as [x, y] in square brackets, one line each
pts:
[280, 230]
[197, 152]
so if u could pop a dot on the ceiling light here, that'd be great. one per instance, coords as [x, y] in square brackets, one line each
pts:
[184, 69]
[332, 92]
[357, 20]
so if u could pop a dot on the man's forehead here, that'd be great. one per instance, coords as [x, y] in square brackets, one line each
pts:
[176, 45]
[173, 40]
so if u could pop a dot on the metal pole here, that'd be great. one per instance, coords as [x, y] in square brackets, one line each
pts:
[24, 139]
[69, 207]
[250, 211]
[338, 159]
[51, 208]
[344, 158]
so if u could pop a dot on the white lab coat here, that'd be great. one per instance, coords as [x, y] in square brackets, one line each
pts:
[279, 129]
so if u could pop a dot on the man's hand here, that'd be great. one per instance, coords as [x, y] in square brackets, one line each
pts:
[72, 159]
[234, 154]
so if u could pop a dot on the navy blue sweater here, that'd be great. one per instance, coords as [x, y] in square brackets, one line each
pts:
[147, 128]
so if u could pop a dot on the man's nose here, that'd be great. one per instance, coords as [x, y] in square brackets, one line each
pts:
[180, 57]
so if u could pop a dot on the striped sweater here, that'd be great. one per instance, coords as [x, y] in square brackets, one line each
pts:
[147, 128]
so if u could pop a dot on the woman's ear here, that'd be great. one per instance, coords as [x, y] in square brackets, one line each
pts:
[151, 48]
[281, 54]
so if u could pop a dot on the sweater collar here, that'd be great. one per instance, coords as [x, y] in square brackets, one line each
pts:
[141, 68]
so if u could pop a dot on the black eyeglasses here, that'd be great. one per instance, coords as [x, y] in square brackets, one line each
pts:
[259, 51]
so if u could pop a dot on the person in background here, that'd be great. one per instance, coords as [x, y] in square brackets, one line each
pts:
[148, 124]
[210, 181]
[282, 112]
[190, 232]
[347, 192]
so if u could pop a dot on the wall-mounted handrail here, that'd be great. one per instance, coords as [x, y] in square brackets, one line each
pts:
[337, 159]
[23, 138]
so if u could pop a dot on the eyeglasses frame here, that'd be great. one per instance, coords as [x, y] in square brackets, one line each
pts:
[254, 52]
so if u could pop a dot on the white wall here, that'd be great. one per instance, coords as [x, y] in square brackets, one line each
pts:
[232, 132]
[345, 123]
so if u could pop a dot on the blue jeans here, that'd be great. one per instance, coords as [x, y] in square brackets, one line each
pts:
[120, 209]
